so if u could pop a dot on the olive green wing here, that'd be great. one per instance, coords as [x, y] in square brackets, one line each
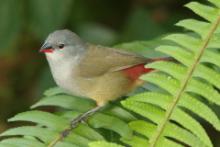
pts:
[99, 60]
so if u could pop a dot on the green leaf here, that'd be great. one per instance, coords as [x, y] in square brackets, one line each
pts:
[106, 121]
[197, 26]
[167, 83]
[191, 124]
[175, 70]
[211, 57]
[204, 90]
[200, 109]
[136, 141]
[53, 91]
[22, 142]
[207, 12]
[88, 132]
[167, 142]
[182, 135]
[143, 127]
[120, 113]
[215, 2]
[189, 42]
[77, 140]
[103, 144]
[153, 113]
[43, 118]
[66, 101]
[183, 56]
[35, 131]
[7, 145]
[65, 144]
[208, 74]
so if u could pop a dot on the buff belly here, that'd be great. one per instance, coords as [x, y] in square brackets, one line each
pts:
[107, 87]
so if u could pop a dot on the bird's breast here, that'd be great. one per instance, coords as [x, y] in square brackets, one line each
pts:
[65, 75]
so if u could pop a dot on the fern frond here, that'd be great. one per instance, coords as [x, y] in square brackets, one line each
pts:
[188, 84]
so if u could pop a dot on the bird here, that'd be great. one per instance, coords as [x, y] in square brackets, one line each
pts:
[91, 71]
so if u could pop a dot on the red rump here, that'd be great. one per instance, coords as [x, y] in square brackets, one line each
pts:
[136, 71]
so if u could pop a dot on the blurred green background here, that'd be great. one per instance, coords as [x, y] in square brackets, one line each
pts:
[24, 24]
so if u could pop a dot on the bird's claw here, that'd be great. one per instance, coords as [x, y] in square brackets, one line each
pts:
[79, 119]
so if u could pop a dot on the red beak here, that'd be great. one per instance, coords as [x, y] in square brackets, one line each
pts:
[46, 48]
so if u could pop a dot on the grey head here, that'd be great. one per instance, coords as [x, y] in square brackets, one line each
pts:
[62, 44]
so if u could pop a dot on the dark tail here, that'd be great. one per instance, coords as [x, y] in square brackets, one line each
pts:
[161, 59]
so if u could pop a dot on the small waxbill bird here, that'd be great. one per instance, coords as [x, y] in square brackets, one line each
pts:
[92, 71]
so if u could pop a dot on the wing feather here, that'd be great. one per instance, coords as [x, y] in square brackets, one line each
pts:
[99, 60]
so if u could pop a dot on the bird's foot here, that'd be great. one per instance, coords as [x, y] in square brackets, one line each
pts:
[79, 119]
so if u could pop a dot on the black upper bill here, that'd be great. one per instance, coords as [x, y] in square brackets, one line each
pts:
[46, 46]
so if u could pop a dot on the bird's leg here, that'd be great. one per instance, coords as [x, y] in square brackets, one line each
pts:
[81, 118]
[84, 116]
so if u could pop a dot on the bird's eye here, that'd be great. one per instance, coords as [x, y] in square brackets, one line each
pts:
[61, 46]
